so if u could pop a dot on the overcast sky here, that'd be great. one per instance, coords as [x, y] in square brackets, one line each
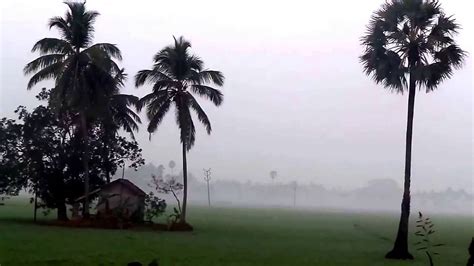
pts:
[296, 99]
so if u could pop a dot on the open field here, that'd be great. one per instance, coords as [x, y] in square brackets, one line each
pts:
[228, 237]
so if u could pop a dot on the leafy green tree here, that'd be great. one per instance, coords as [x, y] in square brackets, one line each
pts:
[409, 44]
[12, 164]
[51, 154]
[82, 71]
[175, 76]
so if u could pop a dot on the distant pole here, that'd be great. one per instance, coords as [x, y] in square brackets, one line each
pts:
[295, 185]
[207, 177]
[123, 171]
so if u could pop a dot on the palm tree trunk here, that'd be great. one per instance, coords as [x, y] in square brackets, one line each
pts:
[85, 161]
[185, 186]
[400, 249]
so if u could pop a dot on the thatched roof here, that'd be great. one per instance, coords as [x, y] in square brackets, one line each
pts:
[123, 182]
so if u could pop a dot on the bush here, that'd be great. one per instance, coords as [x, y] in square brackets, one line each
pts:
[425, 231]
[154, 207]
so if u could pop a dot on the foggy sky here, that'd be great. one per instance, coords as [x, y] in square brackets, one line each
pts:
[296, 99]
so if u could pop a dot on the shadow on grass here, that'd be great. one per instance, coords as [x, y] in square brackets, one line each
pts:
[371, 233]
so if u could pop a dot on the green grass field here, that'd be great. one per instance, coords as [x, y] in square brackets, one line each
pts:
[228, 237]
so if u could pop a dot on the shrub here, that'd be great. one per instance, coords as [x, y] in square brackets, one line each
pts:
[425, 231]
[154, 207]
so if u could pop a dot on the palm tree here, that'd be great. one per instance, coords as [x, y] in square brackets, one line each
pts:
[409, 44]
[81, 71]
[177, 75]
[118, 115]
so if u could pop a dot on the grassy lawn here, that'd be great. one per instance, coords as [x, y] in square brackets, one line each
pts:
[228, 237]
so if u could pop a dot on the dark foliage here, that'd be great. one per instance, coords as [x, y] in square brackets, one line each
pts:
[12, 164]
[45, 153]
[154, 207]
[411, 36]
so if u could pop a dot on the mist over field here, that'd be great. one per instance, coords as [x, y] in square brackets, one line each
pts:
[377, 195]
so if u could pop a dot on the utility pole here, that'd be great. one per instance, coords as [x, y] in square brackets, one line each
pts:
[295, 185]
[207, 178]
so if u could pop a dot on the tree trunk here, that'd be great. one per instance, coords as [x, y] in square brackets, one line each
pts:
[85, 161]
[105, 154]
[61, 199]
[400, 249]
[185, 186]
[62, 212]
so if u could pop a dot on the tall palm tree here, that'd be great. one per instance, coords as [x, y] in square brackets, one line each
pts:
[409, 44]
[80, 71]
[177, 75]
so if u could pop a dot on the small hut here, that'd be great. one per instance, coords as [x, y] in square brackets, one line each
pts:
[120, 197]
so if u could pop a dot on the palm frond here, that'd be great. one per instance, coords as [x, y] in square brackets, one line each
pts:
[451, 55]
[158, 116]
[101, 60]
[52, 45]
[149, 75]
[51, 71]
[210, 93]
[207, 76]
[125, 99]
[167, 85]
[111, 50]
[385, 67]
[200, 113]
[42, 62]
[63, 27]
[155, 104]
[433, 74]
[184, 120]
[147, 99]
[80, 22]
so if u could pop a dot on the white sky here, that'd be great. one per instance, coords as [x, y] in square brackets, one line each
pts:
[296, 99]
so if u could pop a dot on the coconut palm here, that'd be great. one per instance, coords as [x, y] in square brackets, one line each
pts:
[118, 116]
[408, 45]
[176, 76]
[81, 71]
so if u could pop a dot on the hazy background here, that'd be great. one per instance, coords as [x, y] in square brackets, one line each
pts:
[296, 100]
